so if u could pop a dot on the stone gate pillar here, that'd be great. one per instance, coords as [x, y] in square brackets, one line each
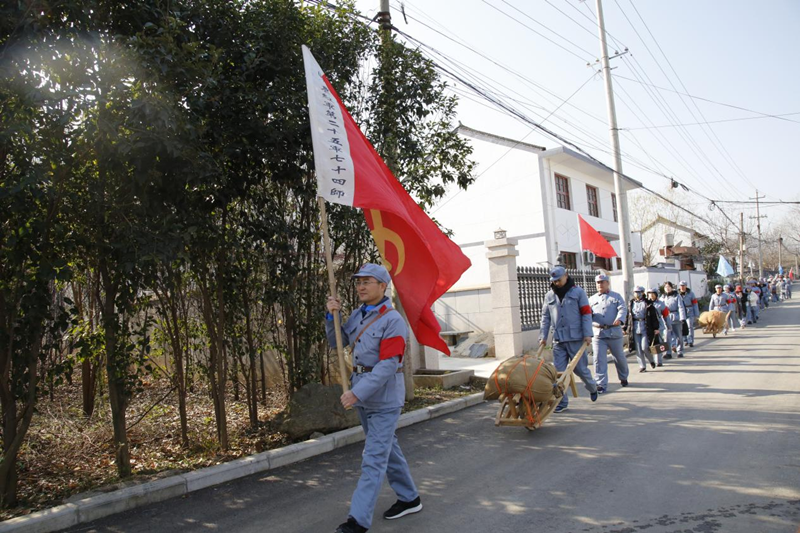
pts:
[502, 257]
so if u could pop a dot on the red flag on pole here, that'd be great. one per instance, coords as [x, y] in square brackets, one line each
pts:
[423, 262]
[594, 242]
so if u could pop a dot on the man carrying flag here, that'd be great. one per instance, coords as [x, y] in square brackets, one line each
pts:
[417, 257]
[377, 336]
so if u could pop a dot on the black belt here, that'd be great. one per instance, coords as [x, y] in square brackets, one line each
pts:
[606, 326]
[361, 369]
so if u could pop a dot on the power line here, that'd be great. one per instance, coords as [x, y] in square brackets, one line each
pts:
[713, 121]
[720, 147]
[541, 34]
[768, 115]
[551, 133]
[691, 142]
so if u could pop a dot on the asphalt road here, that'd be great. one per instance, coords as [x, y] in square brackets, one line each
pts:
[710, 443]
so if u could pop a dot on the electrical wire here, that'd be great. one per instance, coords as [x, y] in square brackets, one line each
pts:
[720, 147]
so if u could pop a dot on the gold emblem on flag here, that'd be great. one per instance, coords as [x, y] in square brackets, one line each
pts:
[382, 235]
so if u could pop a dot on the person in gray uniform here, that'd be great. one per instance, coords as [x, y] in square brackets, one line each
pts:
[677, 315]
[719, 302]
[732, 307]
[377, 337]
[665, 326]
[566, 310]
[692, 311]
[608, 317]
[642, 324]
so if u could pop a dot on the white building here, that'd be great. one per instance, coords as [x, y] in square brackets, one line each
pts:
[535, 195]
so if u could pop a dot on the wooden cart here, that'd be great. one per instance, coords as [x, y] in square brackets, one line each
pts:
[517, 410]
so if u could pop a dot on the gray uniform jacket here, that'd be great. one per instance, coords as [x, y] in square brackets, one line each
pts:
[674, 304]
[690, 302]
[719, 302]
[380, 347]
[571, 318]
[663, 313]
[606, 308]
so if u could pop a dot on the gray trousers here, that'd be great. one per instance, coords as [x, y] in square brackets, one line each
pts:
[677, 336]
[643, 354]
[600, 348]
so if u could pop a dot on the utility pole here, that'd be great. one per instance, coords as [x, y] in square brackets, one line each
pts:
[741, 249]
[780, 250]
[758, 218]
[622, 195]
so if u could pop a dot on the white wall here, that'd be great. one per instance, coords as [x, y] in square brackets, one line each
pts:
[506, 194]
[465, 310]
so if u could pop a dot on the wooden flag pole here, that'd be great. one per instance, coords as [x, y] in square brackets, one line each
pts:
[337, 321]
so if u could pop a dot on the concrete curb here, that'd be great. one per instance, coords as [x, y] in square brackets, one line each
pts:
[102, 505]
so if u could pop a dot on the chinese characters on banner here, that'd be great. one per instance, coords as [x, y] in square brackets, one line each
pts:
[335, 176]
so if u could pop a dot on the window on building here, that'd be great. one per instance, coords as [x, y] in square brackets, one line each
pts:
[569, 259]
[605, 264]
[614, 206]
[591, 197]
[619, 263]
[562, 192]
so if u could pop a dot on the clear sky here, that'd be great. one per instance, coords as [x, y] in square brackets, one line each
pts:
[735, 52]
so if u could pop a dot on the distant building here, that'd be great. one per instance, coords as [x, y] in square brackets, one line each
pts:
[667, 243]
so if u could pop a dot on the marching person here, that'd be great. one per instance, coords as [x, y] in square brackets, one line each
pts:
[673, 302]
[789, 288]
[692, 311]
[742, 305]
[755, 299]
[566, 309]
[663, 316]
[608, 316]
[377, 336]
[642, 325]
[732, 307]
[719, 302]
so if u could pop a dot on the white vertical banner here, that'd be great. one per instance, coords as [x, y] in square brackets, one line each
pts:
[332, 159]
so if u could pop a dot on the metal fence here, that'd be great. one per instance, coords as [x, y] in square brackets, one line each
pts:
[534, 282]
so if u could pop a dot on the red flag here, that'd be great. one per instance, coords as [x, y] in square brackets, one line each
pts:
[423, 262]
[594, 242]
[791, 273]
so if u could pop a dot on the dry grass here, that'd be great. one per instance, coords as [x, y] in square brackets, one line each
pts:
[67, 454]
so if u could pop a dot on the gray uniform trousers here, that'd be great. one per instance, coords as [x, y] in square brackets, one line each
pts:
[563, 352]
[382, 455]
[600, 348]
[677, 337]
[643, 354]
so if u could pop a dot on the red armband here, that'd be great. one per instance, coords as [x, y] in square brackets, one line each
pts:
[392, 347]
[665, 312]
[586, 310]
[694, 302]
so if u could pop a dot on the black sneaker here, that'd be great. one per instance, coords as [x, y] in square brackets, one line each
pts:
[653, 365]
[642, 370]
[660, 364]
[623, 382]
[400, 509]
[668, 356]
[351, 526]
